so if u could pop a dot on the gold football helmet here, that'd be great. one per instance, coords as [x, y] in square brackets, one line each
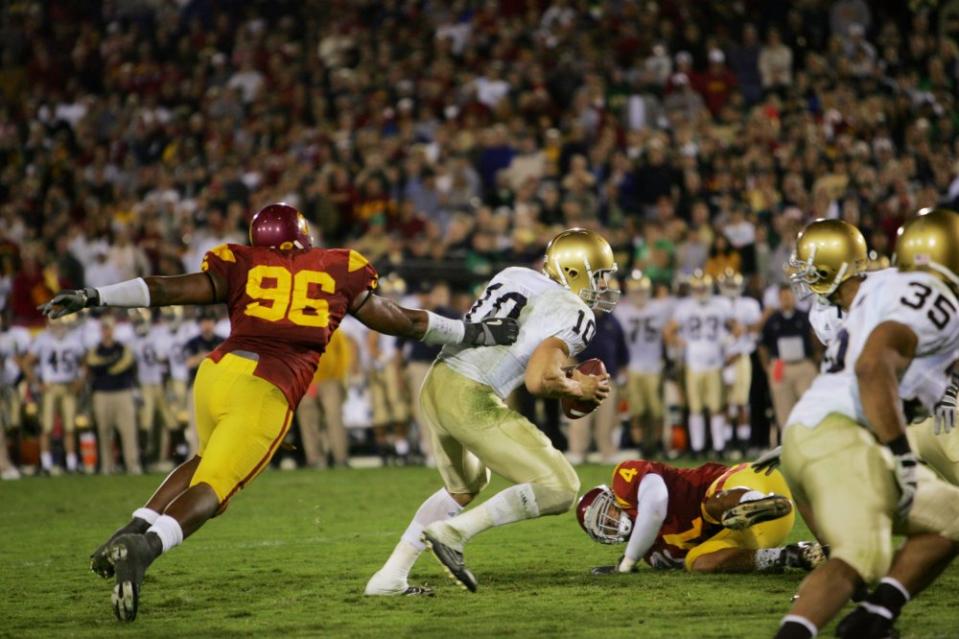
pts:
[392, 286]
[731, 283]
[700, 285]
[828, 252]
[582, 261]
[172, 315]
[930, 242]
[639, 288]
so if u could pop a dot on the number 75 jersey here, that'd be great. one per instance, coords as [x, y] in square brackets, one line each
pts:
[918, 300]
[284, 305]
[543, 308]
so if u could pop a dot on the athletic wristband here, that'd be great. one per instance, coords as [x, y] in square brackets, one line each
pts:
[128, 294]
[443, 330]
[899, 446]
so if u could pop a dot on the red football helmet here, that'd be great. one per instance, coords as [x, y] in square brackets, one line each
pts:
[595, 514]
[280, 226]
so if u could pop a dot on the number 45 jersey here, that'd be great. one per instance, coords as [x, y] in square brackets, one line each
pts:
[918, 300]
[284, 305]
[543, 308]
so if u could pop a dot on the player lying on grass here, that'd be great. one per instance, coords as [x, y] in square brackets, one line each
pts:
[474, 431]
[845, 451]
[712, 518]
[285, 299]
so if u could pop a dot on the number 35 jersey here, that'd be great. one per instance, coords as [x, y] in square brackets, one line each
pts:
[284, 305]
[917, 300]
[543, 308]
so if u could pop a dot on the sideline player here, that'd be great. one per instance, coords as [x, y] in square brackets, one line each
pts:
[738, 372]
[701, 324]
[643, 319]
[864, 483]
[712, 518]
[474, 431]
[285, 299]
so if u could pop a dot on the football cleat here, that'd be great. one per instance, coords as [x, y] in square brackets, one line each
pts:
[381, 585]
[100, 562]
[750, 513]
[806, 555]
[452, 562]
[130, 555]
[862, 623]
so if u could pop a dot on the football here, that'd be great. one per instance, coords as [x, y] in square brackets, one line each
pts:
[576, 408]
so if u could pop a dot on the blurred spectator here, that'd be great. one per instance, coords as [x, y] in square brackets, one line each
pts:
[112, 369]
[722, 256]
[776, 62]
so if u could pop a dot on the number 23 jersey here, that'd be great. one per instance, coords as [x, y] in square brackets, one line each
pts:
[284, 305]
[543, 308]
[918, 300]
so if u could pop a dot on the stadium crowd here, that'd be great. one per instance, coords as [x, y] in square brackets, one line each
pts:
[443, 141]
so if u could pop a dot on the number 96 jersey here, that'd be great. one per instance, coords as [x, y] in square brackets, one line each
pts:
[918, 300]
[284, 305]
[543, 308]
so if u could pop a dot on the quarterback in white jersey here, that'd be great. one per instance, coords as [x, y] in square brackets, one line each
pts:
[738, 373]
[473, 430]
[55, 359]
[643, 319]
[702, 323]
[845, 452]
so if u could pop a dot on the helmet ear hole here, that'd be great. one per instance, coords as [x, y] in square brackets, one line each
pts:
[572, 272]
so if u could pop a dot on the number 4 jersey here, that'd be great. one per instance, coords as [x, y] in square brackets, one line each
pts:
[284, 305]
[543, 308]
[917, 300]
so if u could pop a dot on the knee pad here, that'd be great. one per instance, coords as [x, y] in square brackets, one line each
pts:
[558, 494]
[870, 556]
[479, 481]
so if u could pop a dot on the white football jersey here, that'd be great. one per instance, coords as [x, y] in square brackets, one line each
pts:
[153, 353]
[643, 327]
[14, 343]
[543, 308]
[746, 312]
[917, 300]
[702, 326]
[357, 332]
[59, 357]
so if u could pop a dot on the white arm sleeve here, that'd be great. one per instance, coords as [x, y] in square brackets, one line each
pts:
[129, 294]
[652, 498]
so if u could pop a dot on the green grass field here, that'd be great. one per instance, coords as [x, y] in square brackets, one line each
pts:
[294, 551]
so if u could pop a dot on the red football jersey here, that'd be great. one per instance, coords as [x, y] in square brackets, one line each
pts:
[284, 305]
[684, 527]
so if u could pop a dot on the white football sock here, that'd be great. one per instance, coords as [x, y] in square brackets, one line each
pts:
[717, 425]
[440, 506]
[515, 503]
[168, 530]
[743, 431]
[146, 514]
[697, 432]
[71, 462]
[46, 460]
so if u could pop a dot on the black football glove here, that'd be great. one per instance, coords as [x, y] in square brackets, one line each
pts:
[491, 331]
[945, 409]
[768, 461]
[70, 301]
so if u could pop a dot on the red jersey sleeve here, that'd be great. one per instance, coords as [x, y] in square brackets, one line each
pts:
[626, 478]
[223, 261]
[360, 274]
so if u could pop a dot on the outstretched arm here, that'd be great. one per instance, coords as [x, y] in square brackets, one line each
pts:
[386, 316]
[652, 501]
[193, 288]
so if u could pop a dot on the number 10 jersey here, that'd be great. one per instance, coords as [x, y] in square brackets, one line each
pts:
[543, 308]
[918, 300]
[284, 305]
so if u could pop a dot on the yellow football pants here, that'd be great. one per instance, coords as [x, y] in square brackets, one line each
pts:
[240, 421]
[768, 534]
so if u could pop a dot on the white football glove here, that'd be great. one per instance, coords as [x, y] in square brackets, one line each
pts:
[945, 409]
[906, 468]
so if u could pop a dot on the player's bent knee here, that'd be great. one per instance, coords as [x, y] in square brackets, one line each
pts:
[870, 558]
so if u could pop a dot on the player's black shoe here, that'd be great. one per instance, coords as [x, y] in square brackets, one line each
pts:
[750, 513]
[452, 561]
[100, 562]
[131, 555]
[862, 623]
